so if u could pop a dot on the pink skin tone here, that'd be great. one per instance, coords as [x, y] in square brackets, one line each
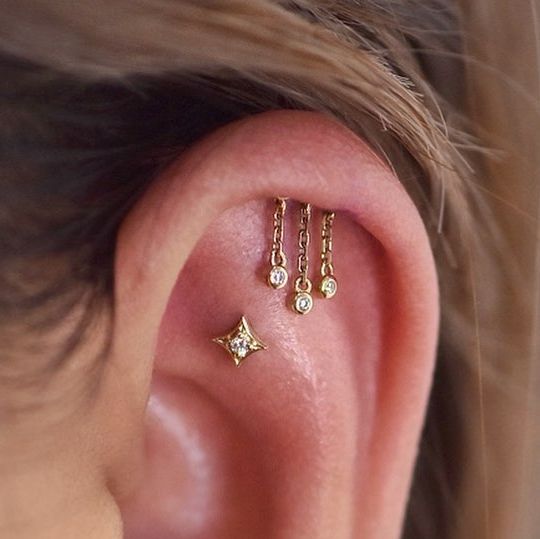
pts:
[315, 437]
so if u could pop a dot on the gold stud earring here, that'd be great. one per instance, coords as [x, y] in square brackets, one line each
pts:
[303, 300]
[328, 285]
[241, 342]
[278, 275]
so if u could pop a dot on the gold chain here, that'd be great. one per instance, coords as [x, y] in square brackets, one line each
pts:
[303, 282]
[328, 285]
[278, 275]
[327, 267]
[278, 258]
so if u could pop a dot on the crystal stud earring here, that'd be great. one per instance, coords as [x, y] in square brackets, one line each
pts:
[241, 342]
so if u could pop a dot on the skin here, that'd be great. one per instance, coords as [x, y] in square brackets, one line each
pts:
[315, 437]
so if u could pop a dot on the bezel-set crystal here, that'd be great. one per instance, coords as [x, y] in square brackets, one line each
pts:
[328, 286]
[302, 302]
[278, 277]
[241, 342]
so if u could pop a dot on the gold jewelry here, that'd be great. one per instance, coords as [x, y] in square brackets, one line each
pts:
[241, 341]
[303, 300]
[328, 284]
[278, 275]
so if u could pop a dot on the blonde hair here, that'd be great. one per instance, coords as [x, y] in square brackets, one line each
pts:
[388, 70]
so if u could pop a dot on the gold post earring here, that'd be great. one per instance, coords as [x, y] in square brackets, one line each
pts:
[303, 300]
[278, 275]
[328, 284]
[241, 342]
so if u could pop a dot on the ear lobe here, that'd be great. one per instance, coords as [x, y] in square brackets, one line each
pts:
[317, 435]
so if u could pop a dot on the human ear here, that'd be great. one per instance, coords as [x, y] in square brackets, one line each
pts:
[315, 436]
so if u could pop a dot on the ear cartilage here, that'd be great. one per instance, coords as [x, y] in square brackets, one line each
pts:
[278, 275]
[328, 284]
[241, 342]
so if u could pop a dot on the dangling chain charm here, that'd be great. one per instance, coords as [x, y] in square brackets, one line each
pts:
[303, 300]
[328, 284]
[278, 275]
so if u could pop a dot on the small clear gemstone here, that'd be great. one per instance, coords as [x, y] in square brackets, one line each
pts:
[240, 342]
[303, 303]
[329, 286]
[239, 346]
[278, 276]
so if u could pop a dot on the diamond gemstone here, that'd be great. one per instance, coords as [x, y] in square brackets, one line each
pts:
[240, 345]
[241, 341]
[278, 276]
[329, 286]
[303, 303]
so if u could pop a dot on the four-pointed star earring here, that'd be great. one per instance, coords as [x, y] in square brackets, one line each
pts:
[241, 341]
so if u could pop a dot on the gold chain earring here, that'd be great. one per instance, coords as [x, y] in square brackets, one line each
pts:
[278, 275]
[303, 300]
[328, 284]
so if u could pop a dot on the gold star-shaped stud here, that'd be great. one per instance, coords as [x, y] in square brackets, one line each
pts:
[241, 342]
